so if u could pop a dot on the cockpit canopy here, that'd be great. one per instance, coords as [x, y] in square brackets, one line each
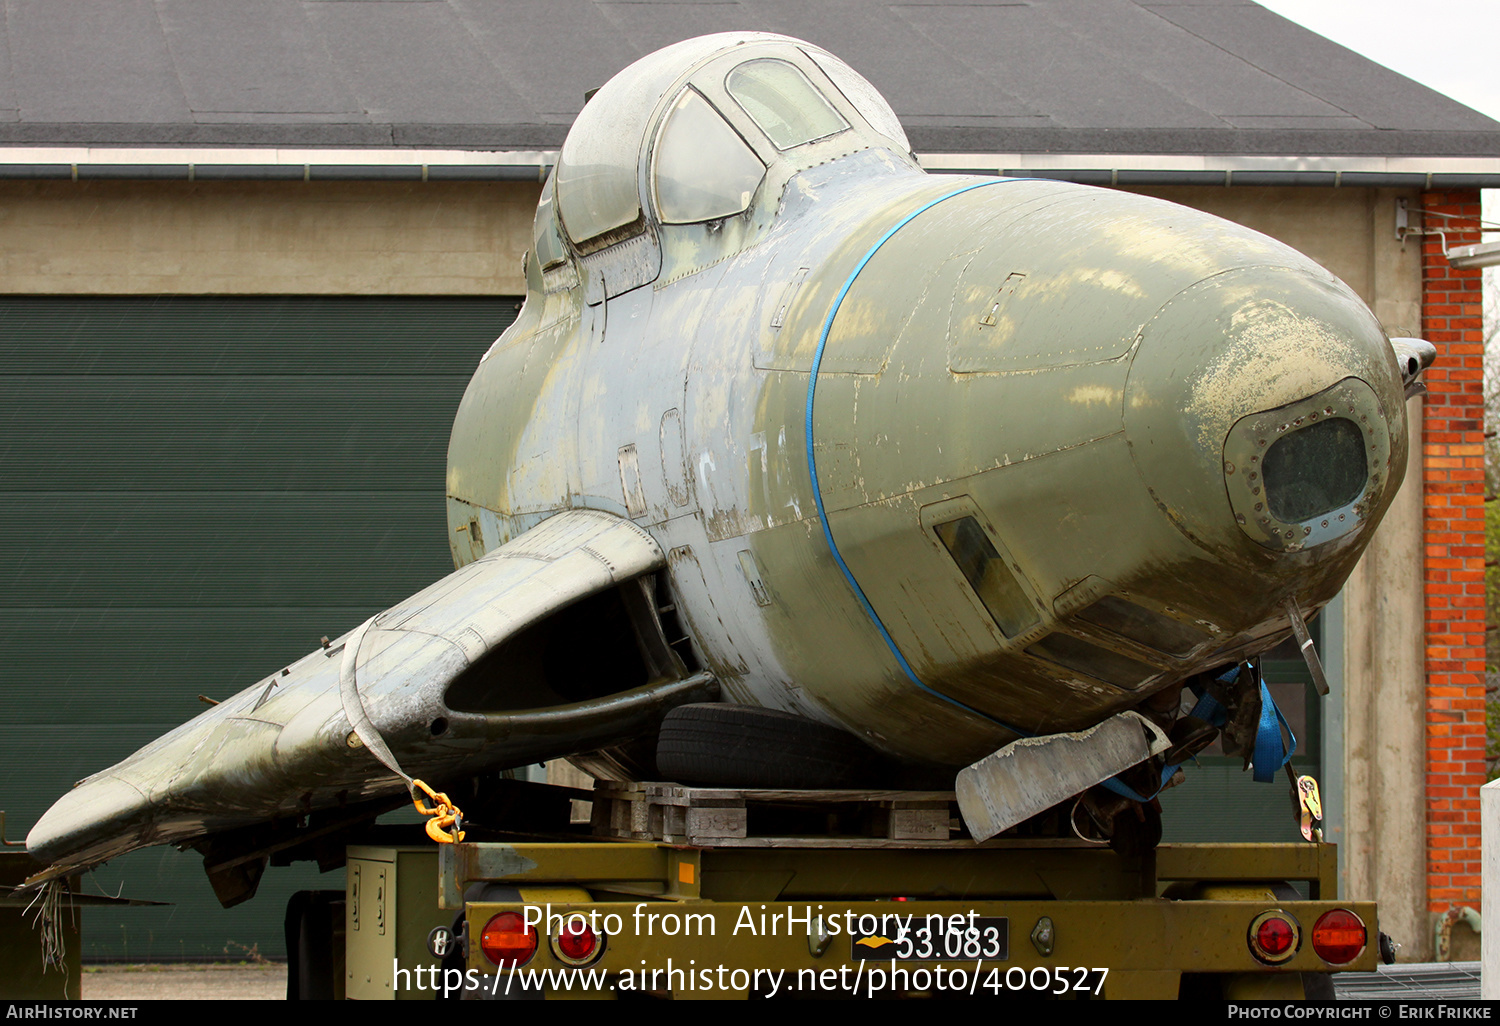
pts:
[696, 132]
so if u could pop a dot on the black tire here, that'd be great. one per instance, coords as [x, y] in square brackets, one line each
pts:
[1318, 987]
[1136, 830]
[722, 745]
[315, 946]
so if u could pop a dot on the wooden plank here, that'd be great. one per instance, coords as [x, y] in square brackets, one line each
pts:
[721, 817]
[844, 843]
[928, 824]
[678, 793]
[720, 824]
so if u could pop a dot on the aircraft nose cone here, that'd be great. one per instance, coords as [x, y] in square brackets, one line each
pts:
[1264, 405]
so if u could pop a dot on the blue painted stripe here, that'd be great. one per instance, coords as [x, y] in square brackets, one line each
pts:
[812, 464]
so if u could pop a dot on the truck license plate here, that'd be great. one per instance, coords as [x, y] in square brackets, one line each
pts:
[934, 939]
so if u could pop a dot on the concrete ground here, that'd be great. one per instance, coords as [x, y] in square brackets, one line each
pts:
[262, 981]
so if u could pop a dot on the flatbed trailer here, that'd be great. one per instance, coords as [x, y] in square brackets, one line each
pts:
[691, 893]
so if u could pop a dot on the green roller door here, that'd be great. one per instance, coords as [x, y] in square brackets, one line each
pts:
[192, 491]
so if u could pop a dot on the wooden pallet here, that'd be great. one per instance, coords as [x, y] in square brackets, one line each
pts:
[730, 818]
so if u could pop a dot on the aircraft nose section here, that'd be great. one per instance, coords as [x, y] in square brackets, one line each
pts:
[1265, 404]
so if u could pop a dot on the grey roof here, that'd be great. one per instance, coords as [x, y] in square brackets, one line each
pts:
[1062, 76]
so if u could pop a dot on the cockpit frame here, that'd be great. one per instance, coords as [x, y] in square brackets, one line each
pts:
[603, 211]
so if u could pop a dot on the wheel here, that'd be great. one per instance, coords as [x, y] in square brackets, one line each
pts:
[1318, 987]
[315, 946]
[1137, 830]
[722, 745]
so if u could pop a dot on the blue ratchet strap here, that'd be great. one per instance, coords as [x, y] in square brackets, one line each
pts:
[1208, 709]
[1269, 749]
[1270, 753]
[1125, 791]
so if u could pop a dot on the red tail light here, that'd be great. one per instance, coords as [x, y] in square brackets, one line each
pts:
[1339, 937]
[507, 941]
[577, 943]
[1274, 937]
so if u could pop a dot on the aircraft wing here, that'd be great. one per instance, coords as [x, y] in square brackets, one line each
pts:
[548, 646]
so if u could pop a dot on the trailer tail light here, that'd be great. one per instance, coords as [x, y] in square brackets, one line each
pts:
[577, 943]
[507, 941]
[1274, 937]
[1339, 937]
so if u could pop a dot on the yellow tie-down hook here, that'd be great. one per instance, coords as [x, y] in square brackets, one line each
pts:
[446, 824]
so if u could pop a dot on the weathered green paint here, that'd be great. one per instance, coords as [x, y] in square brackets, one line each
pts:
[1069, 361]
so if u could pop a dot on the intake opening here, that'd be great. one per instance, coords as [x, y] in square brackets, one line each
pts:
[1315, 470]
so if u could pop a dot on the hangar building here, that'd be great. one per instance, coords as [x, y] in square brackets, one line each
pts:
[253, 250]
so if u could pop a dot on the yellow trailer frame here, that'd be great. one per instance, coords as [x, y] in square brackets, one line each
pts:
[1079, 920]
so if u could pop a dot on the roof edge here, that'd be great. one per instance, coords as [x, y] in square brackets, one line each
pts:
[1227, 170]
[80, 163]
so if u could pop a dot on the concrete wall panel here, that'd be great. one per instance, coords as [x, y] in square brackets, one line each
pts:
[265, 238]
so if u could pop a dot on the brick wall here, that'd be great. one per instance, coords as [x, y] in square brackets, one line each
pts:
[1453, 539]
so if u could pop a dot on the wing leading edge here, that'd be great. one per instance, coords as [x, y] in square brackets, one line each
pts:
[546, 647]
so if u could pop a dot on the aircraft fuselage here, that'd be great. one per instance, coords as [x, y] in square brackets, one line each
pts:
[1060, 363]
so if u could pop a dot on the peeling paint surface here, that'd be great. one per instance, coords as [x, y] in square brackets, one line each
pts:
[1053, 368]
